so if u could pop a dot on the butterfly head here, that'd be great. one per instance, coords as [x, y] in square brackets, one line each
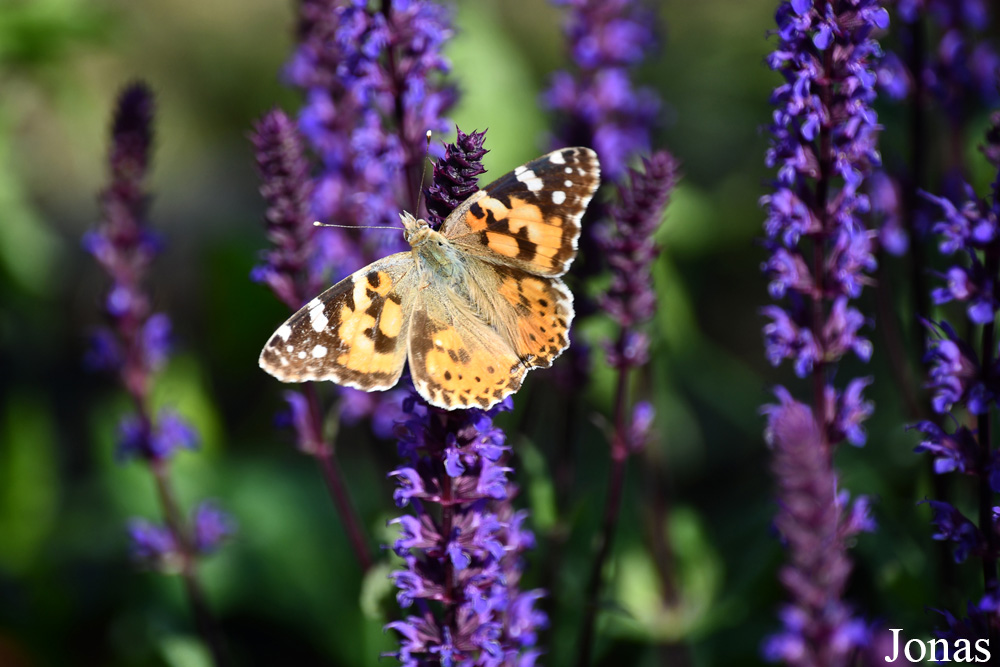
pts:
[415, 231]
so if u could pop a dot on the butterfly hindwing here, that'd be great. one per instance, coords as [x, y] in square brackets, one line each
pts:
[539, 311]
[353, 333]
[530, 217]
[456, 359]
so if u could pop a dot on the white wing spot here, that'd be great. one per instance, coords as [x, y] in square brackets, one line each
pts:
[302, 354]
[284, 331]
[319, 351]
[568, 183]
[568, 170]
[526, 176]
[557, 158]
[558, 197]
[318, 317]
[289, 348]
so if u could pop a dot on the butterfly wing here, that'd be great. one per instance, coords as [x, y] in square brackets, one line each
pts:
[456, 359]
[353, 333]
[533, 312]
[529, 218]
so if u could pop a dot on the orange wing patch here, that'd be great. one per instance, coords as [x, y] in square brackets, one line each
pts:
[543, 312]
[462, 364]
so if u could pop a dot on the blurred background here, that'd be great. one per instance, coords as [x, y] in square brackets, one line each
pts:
[287, 589]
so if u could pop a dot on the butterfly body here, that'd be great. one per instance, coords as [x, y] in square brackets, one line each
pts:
[472, 306]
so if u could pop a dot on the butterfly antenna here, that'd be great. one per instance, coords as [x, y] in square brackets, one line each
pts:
[317, 223]
[423, 173]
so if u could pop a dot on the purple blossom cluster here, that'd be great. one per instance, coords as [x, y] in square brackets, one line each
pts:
[156, 547]
[136, 341]
[821, 254]
[956, 70]
[599, 106]
[817, 522]
[455, 176]
[962, 66]
[824, 143]
[373, 77]
[968, 231]
[463, 546]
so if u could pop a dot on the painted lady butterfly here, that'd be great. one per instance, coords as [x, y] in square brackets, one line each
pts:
[473, 306]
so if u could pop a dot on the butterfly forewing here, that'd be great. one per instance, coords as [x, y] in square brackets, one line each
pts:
[529, 218]
[353, 333]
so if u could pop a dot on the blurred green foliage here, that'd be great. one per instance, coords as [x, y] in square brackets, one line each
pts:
[287, 589]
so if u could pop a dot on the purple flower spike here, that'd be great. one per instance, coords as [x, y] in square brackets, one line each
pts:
[455, 176]
[464, 557]
[823, 148]
[124, 246]
[960, 71]
[135, 345]
[963, 375]
[474, 541]
[374, 79]
[629, 246]
[286, 188]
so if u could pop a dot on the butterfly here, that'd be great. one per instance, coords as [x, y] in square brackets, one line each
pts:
[473, 306]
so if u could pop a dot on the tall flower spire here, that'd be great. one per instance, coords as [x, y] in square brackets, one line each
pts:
[965, 384]
[463, 545]
[134, 345]
[823, 146]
